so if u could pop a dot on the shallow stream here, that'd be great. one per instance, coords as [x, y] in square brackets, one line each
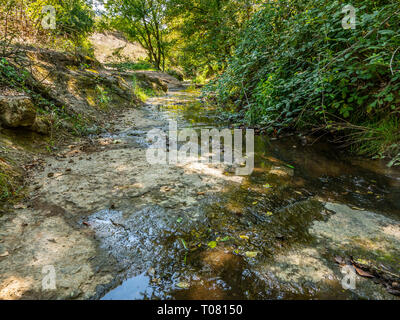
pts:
[278, 234]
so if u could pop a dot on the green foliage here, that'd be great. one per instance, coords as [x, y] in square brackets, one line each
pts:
[10, 76]
[5, 187]
[207, 31]
[74, 21]
[297, 67]
[133, 66]
[380, 138]
[176, 73]
[103, 98]
[396, 160]
[142, 93]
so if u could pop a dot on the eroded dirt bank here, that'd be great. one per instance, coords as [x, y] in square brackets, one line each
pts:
[101, 214]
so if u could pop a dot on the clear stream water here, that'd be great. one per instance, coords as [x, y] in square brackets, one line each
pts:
[284, 211]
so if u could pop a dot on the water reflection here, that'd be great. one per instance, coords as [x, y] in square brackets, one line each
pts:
[261, 227]
[137, 288]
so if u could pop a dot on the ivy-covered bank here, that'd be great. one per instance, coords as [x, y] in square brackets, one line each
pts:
[297, 68]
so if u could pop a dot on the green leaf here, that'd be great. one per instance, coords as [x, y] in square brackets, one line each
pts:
[184, 244]
[389, 98]
[251, 254]
[386, 32]
[212, 244]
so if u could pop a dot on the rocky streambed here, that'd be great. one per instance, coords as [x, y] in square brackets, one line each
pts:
[114, 226]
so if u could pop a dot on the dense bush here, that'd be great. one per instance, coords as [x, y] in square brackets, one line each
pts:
[75, 21]
[206, 32]
[297, 67]
[21, 22]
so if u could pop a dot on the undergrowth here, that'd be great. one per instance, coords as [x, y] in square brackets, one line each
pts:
[132, 66]
[299, 69]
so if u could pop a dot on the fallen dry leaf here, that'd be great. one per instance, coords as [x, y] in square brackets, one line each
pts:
[20, 206]
[165, 189]
[363, 273]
